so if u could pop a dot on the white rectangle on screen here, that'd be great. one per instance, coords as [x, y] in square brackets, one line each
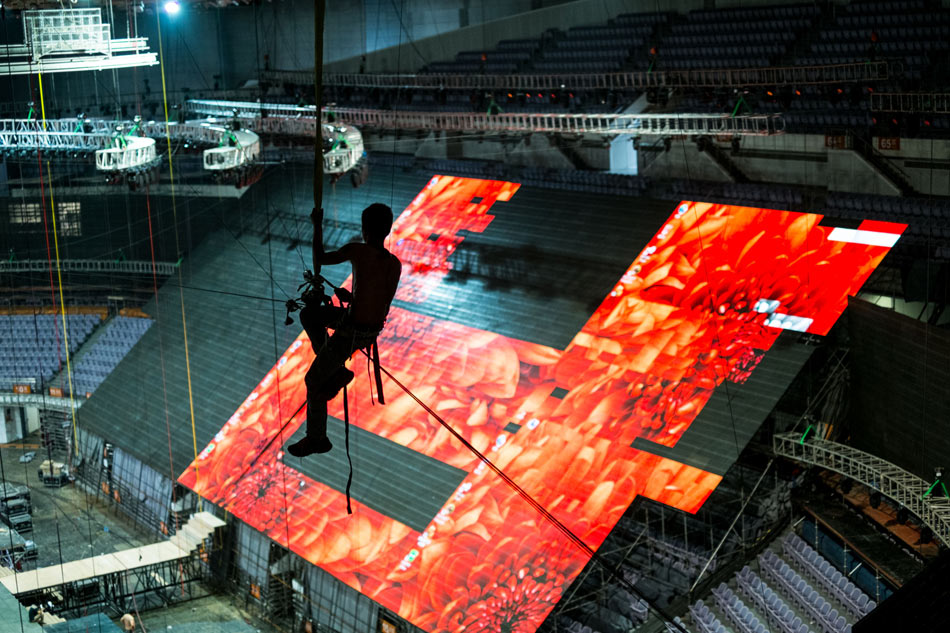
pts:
[857, 236]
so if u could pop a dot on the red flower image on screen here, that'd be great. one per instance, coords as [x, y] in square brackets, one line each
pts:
[702, 303]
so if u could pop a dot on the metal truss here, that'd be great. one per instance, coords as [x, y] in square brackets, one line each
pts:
[296, 120]
[144, 588]
[40, 401]
[89, 266]
[906, 489]
[75, 64]
[931, 103]
[128, 153]
[68, 40]
[634, 80]
[55, 134]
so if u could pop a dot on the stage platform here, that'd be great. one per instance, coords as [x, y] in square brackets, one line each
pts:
[181, 545]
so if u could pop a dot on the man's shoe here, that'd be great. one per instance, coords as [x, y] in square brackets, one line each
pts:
[309, 445]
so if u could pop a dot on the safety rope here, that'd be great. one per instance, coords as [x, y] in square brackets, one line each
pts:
[59, 276]
[181, 293]
[161, 347]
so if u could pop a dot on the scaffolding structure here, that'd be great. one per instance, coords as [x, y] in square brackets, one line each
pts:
[66, 31]
[54, 134]
[910, 102]
[301, 121]
[40, 401]
[111, 267]
[69, 40]
[908, 490]
[140, 577]
[127, 153]
[630, 80]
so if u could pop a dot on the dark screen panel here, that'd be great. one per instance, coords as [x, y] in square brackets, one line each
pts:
[900, 396]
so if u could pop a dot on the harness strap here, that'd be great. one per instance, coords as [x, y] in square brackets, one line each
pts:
[346, 435]
[377, 372]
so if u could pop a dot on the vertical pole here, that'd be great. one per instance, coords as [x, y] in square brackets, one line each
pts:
[319, 11]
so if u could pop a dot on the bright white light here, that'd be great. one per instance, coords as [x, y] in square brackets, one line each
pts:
[172, 7]
[859, 236]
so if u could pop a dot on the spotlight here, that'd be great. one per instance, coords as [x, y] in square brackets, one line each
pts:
[172, 7]
[902, 515]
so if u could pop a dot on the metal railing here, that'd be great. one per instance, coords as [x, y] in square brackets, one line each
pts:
[134, 267]
[301, 120]
[925, 102]
[633, 80]
[910, 491]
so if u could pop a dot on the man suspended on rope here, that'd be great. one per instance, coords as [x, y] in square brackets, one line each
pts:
[376, 274]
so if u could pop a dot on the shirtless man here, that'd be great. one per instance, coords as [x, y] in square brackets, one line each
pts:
[376, 274]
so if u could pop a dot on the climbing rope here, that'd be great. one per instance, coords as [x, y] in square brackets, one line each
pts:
[181, 293]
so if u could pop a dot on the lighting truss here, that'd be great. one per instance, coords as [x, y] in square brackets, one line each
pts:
[69, 40]
[54, 134]
[924, 102]
[896, 483]
[634, 80]
[88, 266]
[42, 401]
[297, 120]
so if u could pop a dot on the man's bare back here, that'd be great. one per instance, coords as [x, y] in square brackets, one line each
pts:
[376, 274]
[376, 271]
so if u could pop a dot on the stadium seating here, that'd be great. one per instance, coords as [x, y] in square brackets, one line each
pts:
[706, 621]
[97, 362]
[33, 347]
[916, 38]
[769, 594]
[802, 594]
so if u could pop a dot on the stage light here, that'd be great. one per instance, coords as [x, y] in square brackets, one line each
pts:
[172, 7]
[902, 515]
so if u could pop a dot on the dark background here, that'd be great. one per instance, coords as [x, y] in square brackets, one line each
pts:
[900, 392]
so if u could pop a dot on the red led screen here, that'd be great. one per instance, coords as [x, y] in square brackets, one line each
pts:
[699, 305]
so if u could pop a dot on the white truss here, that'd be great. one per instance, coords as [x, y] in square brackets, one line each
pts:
[923, 102]
[41, 401]
[896, 483]
[66, 31]
[127, 153]
[346, 147]
[54, 134]
[75, 64]
[116, 152]
[89, 266]
[232, 149]
[297, 120]
[68, 40]
[634, 80]
[246, 148]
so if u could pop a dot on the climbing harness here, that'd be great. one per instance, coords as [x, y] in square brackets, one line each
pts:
[313, 296]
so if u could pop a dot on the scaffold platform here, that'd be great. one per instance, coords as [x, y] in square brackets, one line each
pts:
[115, 578]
